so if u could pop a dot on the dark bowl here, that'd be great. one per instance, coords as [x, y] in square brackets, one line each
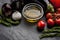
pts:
[40, 2]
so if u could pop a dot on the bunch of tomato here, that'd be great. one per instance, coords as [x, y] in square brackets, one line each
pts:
[53, 18]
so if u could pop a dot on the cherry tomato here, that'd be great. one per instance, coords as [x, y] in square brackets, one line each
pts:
[50, 22]
[58, 10]
[56, 15]
[49, 15]
[57, 21]
[41, 24]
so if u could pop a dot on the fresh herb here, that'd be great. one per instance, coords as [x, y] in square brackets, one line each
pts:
[56, 27]
[5, 23]
[52, 31]
[11, 21]
[50, 35]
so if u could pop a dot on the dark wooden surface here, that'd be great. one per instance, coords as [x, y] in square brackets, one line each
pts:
[24, 31]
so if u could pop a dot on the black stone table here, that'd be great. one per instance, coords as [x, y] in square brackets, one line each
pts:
[23, 31]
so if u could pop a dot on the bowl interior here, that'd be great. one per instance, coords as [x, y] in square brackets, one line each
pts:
[33, 6]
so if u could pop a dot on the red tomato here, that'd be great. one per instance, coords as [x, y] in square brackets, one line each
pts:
[58, 10]
[56, 15]
[50, 22]
[41, 24]
[57, 21]
[49, 15]
[56, 3]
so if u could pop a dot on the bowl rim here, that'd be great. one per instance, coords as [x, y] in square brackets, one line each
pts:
[27, 5]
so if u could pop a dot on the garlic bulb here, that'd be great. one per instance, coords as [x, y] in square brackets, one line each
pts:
[16, 15]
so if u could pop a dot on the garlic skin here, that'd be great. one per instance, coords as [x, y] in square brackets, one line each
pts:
[16, 15]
